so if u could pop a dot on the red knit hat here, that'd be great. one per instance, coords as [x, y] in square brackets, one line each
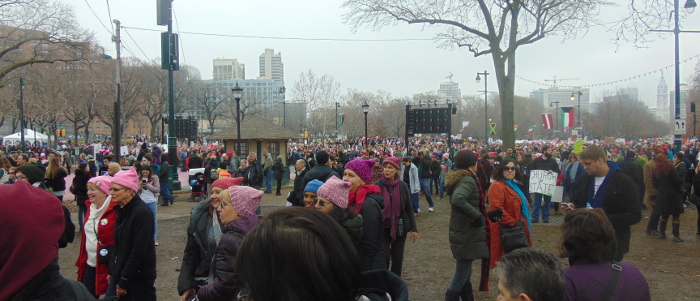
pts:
[226, 182]
[394, 161]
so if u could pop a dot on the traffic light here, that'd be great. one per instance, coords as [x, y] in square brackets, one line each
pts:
[60, 132]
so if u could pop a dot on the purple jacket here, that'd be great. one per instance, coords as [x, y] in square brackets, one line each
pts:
[224, 286]
[588, 282]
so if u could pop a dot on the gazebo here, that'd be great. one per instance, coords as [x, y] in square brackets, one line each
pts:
[257, 135]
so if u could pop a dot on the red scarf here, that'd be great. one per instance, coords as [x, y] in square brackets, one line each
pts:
[358, 197]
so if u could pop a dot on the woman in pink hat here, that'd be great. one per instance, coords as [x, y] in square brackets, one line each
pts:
[332, 199]
[237, 212]
[97, 242]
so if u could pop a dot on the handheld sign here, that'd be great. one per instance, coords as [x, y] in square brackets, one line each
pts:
[543, 182]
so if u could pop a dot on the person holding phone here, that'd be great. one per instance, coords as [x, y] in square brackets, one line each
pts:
[149, 188]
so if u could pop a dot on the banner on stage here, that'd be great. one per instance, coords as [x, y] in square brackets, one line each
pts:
[543, 182]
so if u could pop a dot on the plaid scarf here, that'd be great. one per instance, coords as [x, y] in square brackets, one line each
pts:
[484, 281]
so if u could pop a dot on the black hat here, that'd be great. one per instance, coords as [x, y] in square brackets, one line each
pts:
[465, 159]
[34, 173]
[322, 157]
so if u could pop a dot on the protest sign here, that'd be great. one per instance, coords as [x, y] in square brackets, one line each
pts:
[542, 182]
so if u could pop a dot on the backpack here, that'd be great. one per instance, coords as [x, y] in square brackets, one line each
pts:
[69, 230]
[156, 168]
[213, 174]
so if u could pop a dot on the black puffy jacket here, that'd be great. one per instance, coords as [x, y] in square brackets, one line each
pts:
[196, 260]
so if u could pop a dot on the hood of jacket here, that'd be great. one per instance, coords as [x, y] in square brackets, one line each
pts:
[453, 177]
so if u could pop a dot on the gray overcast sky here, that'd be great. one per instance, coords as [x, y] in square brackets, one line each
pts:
[401, 68]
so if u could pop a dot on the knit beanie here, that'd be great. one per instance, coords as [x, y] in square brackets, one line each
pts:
[245, 199]
[127, 178]
[336, 191]
[34, 173]
[33, 227]
[394, 161]
[313, 186]
[226, 182]
[445, 156]
[363, 168]
[102, 183]
[322, 157]
[465, 159]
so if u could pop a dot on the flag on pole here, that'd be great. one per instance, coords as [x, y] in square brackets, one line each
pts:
[547, 121]
[465, 124]
[341, 119]
[567, 117]
[515, 128]
[531, 129]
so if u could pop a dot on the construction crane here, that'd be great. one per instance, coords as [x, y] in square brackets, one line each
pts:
[554, 80]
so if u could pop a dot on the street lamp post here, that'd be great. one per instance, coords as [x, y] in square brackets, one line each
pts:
[21, 114]
[337, 105]
[556, 115]
[237, 93]
[282, 91]
[578, 118]
[486, 103]
[365, 109]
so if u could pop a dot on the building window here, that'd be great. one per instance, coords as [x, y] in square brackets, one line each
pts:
[244, 149]
[274, 149]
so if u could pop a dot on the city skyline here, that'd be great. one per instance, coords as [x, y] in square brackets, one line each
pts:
[402, 68]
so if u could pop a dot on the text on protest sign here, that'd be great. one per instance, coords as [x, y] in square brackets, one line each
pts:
[542, 182]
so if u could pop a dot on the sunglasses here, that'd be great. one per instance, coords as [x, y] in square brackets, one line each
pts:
[321, 203]
[508, 168]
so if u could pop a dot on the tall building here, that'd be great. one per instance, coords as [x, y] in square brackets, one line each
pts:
[450, 90]
[548, 97]
[685, 91]
[261, 96]
[271, 66]
[663, 109]
[228, 69]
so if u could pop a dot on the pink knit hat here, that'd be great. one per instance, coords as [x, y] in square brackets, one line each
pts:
[363, 168]
[127, 178]
[394, 161]
[245, 199]
[226, 182]
[102, 183]
[336, 191]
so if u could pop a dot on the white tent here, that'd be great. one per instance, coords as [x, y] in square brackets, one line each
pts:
[29, 137]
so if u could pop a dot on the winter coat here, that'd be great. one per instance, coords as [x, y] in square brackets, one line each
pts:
[501, 196]
[371, 249]
[164, 170]
[424, 168]
[194, 162]
[267, 164]
[135, 257]
[198, 255]
[620, 203]
[409, 224]
[225, 286]
[354, 228]
[381, 285]
[254, 176]
[669, 197]
[569, 183]
[319, 172]
[80, 187]
[467, 233]
[105, 231]
[435, 169]
[296, 197]
[636, 172]
[58, 182]
[414, 186]
[278, 168]
[587, 282]
[649, 190]
[49, 285]
[545, 164]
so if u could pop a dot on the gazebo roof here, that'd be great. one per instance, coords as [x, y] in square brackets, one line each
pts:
[256, 128]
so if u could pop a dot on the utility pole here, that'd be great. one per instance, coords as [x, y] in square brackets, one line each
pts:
[117, 139]
[336, 119]
[21, 114]
[171, 62]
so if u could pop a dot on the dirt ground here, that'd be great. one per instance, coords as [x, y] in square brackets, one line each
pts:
[429, 266]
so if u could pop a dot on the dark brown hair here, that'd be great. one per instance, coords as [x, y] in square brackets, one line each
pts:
[588, 234]
[498, 172]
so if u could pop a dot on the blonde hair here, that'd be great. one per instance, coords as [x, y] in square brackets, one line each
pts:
[53, 168]
[113, 168]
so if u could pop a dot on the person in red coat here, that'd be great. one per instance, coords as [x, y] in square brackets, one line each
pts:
[96, 244]
[505, 194]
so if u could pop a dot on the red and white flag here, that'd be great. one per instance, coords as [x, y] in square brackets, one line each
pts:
[547, 121]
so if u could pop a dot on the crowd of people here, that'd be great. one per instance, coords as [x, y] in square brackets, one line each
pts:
[351, 211]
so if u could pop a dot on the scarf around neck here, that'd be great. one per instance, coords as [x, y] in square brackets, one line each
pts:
[358, 197]
[392, 200]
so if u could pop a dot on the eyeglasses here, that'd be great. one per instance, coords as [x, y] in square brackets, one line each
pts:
[116, 189]
[20, 177]
[509, 168]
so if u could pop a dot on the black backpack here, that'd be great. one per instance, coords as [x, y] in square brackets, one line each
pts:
[69, 231]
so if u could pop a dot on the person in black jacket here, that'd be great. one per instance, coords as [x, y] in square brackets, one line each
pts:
[132, 269]
[321, 171]
[163, 177]
[254, 177]
[631, 168]
[79, 189]
[278, 170]
[545, 162]
[296, 196]
[616, 194]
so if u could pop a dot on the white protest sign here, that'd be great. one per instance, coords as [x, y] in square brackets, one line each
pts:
[542, 182]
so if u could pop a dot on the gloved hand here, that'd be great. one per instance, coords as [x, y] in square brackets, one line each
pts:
[496, 215]
[479, 222]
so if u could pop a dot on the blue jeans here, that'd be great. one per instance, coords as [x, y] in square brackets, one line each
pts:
[463, 273]
[154, 209]
[539, 207]
[268, 180]
[165, 193]
[415, 202]
[442, 188]
[425, 186]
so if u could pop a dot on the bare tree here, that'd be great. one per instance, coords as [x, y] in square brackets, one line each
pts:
[211, 99]
[620, 116]
[320, 95]
[495, 28]
[35, 32]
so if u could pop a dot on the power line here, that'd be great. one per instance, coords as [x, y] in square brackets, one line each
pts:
[182, 47]
[137, 44]
[140, 61]
[111, 32]
[285, 38]
[109, 13]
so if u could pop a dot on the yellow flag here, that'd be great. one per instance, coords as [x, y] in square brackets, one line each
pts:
[578, 146]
